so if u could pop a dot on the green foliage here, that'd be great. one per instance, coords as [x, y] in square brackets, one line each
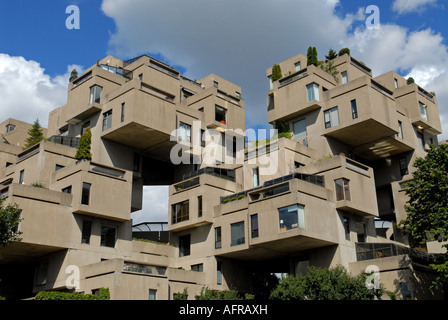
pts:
[181, 296]
[85, 142]
[73, 75]
[312, 56]
[344, 51]
[410, 80]
[276, 72]
[331, 69]
[104, 294]
[37, 185]
[331, 55]
[35, 135]
[208, 294]
[9, 223]
[427, 208]
[325, 284]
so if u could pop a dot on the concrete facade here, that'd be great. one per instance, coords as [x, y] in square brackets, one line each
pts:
[313, 200]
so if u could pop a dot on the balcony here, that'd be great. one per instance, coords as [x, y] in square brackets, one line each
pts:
[71, 142]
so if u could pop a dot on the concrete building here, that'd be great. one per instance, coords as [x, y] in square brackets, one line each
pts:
[279, 206]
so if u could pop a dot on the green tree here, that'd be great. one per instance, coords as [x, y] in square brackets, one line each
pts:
[276, 72]
[325, 284]
[427, 207]
[73, 75]
[331, 69]
[410, 80]
[9, 223]
[312, 56]
[208, 294]
[331, 55]
[85, 142]
[344, 51]
[35, 135]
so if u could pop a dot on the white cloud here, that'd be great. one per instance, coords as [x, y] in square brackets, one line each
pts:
[407, 6]
[155, 205]
[27, 92]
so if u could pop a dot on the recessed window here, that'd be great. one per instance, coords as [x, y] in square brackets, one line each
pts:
[354, 109]
[107, 120]
[331, 117]
[423, 111]
[215, 84]
[184, 245]
[152, 294]
[403, 166]
[200, 206]
[254, 226]
[58, 167]
[297, 66]
[400, 129]
[95, 94]
[108, 236]
[218, 238]
[21, 176]
[342, 189]
[346, 222]
[180, 212]
[202, 138]
[184, 132]
[10, 127]
[256, 177]
[123, 107]
[218, 272]
[85, 196]
[198, 267]
[344, 77]
[299, 128]
[396, 83]
[67, 190]
[220, 114]
[84, 127]
[421, 140]
[291, 217]
[312, 92]
[86, 231]
[237, 233]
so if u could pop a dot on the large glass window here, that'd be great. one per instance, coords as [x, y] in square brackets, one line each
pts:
[108, 236]
[312, 92]
[344, 77]
[403, 166]
[256, 177]
[220, 114]
[184, 245]
[299, 128]
[421, 140]
[218, 272]
[218, 238]
[200, 206]
[342, 189]
[10, 127]
[400, 129]
[180, 212]
[331, 117]
[354, 109]
[152, 294]
[85, 196]
[423, 111]
[107, 120]
[292, 217]
[86, 231]
[254, 225]
[21, 176]
[237, 233]
[95, 94]
[184, 132]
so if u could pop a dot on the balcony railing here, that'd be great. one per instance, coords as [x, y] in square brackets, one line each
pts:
[65, 140]
[369, 251]
[116, 70]
[293, 77]
[217, 172]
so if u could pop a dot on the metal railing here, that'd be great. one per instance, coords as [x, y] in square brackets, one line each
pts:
[369, 251]
[65, 140]
[217, 172]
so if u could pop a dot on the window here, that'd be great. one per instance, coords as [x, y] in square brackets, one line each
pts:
[297, 66]
[331, 117]
[108, 236]
[58, 167]
[400, 130]
[136, 166]
[107, 120]
[298, 165]
[423, 111]
[41, 273]
[403, 166]
[218, 238]
[344, 77]
[421, 140]
[200, 206]
[346, 222]
[184, 132]
[254, 226]
[220, 114]
[184, 245]
[152, 294]
[342, 189]
[218, 272]
[312, 92]
[202, 138]
[237, 233]
[271, 85]
[67, 190]
[123, 107]
[299, 128]
[84, 127]
[256, 177]
[95, 94]
[85, 196]
[361, 232]
[10, 127]
[140, 77]
[21, 176]
[215, 84]
[292, 217]
[180, 212]
[86, 231]
[198, 267]
[396, 83]
[354, 109]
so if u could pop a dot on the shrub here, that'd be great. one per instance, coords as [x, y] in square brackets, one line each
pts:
[344, 51]
[103, 294]
[410, 80]
[83, 152]
[208, 294]
[276, 72]
[181, 296]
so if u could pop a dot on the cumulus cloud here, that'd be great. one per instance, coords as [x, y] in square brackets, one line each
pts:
[407, 6]
[28, 92]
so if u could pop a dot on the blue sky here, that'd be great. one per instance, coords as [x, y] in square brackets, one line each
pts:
[236, 39]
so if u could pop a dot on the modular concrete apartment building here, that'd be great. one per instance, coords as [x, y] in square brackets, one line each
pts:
[320, 199]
